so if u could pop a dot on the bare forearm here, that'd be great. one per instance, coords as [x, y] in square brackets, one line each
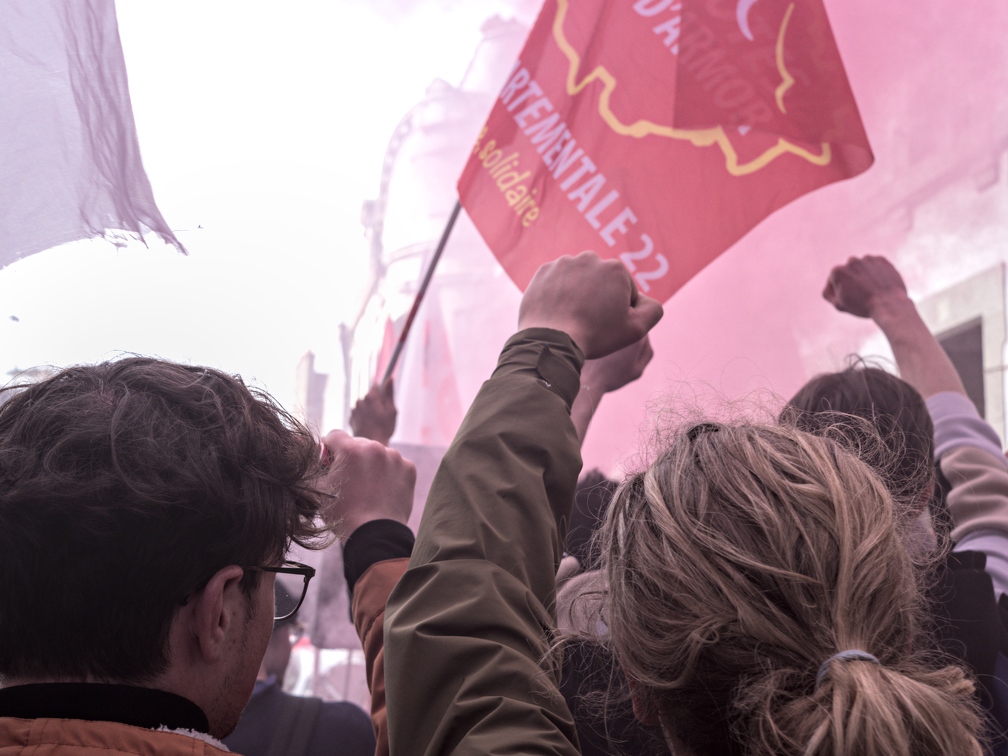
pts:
[611, 373]
[583, 410]
[920, 358]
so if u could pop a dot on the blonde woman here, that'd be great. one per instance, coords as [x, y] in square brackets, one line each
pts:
[760, 600]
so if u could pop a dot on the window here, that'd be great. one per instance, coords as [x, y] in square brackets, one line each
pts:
[968, 318]
[964, 346]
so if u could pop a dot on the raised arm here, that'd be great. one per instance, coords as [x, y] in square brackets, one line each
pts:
[374, 415]
[470, 621]
[870, 287]
[966, 446]
[375, 499]
[605, 375]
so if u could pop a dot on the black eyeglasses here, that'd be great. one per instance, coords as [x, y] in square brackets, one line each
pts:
[286, 604]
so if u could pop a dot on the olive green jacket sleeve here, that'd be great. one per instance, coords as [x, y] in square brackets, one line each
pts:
[468, 625]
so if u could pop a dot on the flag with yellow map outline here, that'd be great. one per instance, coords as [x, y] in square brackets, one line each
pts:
[658, 132]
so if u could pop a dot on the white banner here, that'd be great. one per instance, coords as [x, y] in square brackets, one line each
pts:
[69, 158]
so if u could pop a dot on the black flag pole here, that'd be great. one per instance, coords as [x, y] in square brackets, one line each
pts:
[420, 294]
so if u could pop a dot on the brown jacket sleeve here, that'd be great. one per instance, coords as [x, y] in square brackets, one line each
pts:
[469, 623]
[368, 609]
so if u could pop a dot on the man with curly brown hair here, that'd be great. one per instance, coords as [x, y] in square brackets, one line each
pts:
[146, 508]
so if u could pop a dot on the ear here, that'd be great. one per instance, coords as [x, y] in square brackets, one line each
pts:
[216, 610]
[643, 708]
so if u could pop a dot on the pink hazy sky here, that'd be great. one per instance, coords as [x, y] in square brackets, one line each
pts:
[266, 125]
[929, 78]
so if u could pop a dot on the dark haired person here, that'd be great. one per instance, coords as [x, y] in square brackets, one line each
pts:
[948, 428]
[896, 408]
[145, 510]
[926, 417]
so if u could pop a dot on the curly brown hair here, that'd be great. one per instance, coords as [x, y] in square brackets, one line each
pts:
[124, 486]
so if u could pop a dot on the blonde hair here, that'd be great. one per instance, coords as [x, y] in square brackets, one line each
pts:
[738, 563]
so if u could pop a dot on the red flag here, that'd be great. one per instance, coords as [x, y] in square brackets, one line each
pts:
[428, 396]
[659, 132]
[389, 339]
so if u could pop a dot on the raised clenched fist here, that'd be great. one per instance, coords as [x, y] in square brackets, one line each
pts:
[368, 481]
[594, 301]
[374, 416]
[862, 285]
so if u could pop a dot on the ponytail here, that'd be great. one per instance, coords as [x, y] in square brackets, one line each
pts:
[740, 562]
[864, 708]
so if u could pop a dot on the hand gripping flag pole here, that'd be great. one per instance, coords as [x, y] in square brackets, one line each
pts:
[421, 292]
